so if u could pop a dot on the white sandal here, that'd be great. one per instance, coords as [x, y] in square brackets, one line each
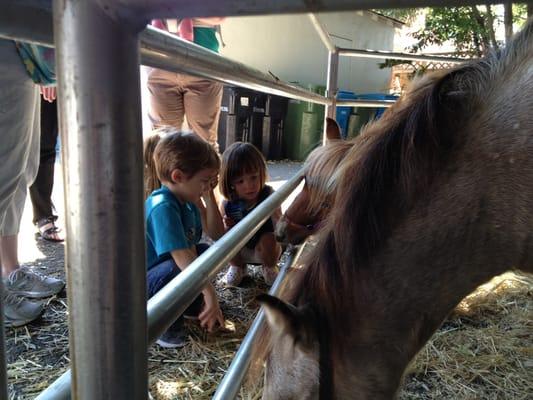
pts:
[234, 276]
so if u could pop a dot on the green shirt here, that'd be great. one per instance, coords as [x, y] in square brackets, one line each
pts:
[206, 37]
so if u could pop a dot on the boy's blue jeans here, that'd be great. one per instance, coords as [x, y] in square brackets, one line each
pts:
[162, 273]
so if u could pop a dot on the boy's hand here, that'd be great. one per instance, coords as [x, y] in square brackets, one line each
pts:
[211, 314]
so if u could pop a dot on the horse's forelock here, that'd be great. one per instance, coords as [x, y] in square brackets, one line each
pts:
[321, 175]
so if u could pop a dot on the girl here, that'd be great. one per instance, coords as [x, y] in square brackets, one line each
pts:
[243, 175]
[180, 170]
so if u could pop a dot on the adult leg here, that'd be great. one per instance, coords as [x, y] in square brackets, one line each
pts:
[19, 146]
[41, 189]
[202, 99]
[166, 99]
[19, 132]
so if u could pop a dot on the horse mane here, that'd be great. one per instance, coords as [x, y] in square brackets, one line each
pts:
[390, 167]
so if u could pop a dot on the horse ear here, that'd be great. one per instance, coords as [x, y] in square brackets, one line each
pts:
[333, 131]
[286, 319]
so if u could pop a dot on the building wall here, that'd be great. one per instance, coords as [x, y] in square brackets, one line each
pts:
[290, 48]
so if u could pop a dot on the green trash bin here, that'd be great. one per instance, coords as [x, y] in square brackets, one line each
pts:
[357, 120]
[303, 126]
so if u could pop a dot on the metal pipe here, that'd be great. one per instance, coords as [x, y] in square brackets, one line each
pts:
[30, 20]
[191, 8]
[331, 88]
[322, 32]
[160, 49]
[171, 301]
[165, 306]
[3, 372]
[365, 103]
[59, 389]
[27, 20]
[230, 384]
[166, 51]
[101, 134]
[391, 55]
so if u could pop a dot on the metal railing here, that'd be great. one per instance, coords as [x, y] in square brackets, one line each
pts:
[172, 300]
[230, 384]
[98, 52]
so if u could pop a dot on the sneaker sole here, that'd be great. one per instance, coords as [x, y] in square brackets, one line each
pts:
[167, 345]
[36, 295]
[16, 323]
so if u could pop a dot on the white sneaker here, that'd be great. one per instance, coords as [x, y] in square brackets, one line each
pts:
[234, 276]
[28, 283]
[20, 311]
[269, 274]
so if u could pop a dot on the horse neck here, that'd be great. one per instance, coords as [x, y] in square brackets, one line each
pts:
[456, 239]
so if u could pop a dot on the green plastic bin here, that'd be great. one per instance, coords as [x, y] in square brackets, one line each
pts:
[357, 120]
[303, 126]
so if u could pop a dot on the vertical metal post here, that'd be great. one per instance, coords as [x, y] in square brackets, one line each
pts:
[3, 373]
[331, 87]
[101, 133]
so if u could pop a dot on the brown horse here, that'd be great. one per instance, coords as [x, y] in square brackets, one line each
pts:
[432, 201]
[310, 207]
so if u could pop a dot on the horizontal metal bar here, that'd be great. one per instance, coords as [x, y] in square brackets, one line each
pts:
[27, 20]
[31, 20]
[390, 55]
[322, 32]
[194, 8]
[160, 49]
[365, 103]
[230, 384]
[178, 294]
[171, 301]
[166, 51]
[59, 389]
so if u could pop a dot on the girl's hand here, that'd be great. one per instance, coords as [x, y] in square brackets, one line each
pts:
[228, 222]
[211, 314]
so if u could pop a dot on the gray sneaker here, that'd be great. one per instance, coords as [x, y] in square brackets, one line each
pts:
[19, 311]
[28, 283]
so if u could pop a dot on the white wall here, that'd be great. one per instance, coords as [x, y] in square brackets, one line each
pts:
[289, 47]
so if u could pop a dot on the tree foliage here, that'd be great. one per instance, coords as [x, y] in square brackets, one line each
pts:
[470, 29]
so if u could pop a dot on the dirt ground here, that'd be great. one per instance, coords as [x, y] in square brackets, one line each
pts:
[483, 351]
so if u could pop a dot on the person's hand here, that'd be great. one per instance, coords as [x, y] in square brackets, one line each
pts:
[211, 314]
[228, 222]
[49, 93]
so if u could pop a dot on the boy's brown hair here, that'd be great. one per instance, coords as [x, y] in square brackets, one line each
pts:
[169, 149]
[238, 159]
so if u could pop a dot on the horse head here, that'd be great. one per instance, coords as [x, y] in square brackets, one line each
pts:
[312, 204]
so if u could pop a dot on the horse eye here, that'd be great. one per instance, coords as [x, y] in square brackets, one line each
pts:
[325, 205]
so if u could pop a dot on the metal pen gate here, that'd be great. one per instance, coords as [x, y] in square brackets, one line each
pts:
[98, 55]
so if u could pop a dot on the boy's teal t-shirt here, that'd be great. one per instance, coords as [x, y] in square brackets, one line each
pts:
[170, 225]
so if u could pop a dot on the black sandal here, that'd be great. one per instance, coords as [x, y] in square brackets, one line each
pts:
[49, 231]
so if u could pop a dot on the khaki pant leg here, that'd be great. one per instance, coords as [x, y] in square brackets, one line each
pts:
[165, 98]
[19, 137]
[202, 99]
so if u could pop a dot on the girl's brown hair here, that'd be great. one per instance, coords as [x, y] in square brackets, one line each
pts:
[238, 159]
[169, 149]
